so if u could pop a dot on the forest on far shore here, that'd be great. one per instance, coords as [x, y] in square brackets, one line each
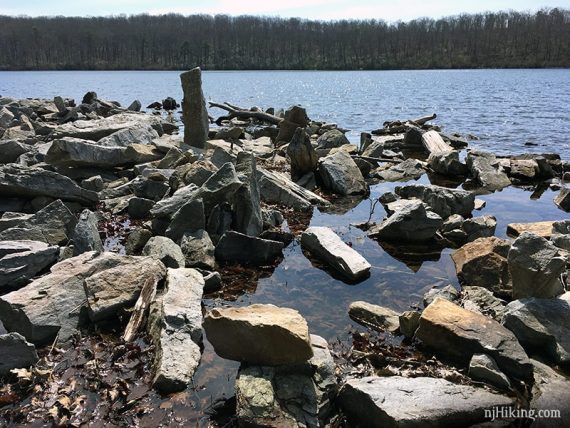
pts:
[172, 42]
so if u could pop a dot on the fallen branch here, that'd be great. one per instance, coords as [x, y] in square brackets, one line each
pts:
[377, 160]
[241, 113]
[147, 295]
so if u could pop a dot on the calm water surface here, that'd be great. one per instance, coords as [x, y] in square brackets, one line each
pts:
[505, 108]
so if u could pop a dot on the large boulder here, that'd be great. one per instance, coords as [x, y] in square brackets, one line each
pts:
[479, 299]
[126, 137]
[410, 169]
[341, 175]
[166, 250]
[535, 265]
[447, 163]
[332, 139]
[15, 353]
[441, 200]
[189, 218]
[175, 328]
[198, 250]
[195, 114]
[248, 219]
[540, 228]
[298, 395]
[76, 152]
[386, 402]
[456, 332]
[326, 245]
[302, 155]
[414, 222]
[20, 261]
[86, 234]
[29, 182]
[542, 326]
[485, 169]
[10, 150]
[259, 252]
[259, 334]
[483, 263]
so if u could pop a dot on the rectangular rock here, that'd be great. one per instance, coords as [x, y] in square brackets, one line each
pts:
[540, 228]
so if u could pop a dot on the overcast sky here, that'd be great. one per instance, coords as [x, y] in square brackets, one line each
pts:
[388, 10]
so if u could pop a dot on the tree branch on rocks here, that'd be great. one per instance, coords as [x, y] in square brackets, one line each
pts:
[241, 113]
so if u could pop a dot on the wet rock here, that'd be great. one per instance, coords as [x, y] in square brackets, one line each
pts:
[196, 123]
[165, 250]
[259, 334]
[198, 250]
[410, 169]
[441, 200]
[326, 245]
[20, 261]
[299, 395]
[479, 299]
[483, 263]
[260, 252]
[562, 200]
[550, 391]
[86, 234]
[484, 168]
[409, 323]
[535, 266]
[136, 240]
[53, 224]
[414, 222]
[302, 155]
[95, 184]
[10, 150]
[331, 139]
[540, 228]
[29, 182]
[415, 402]
[246, 206]
[447, 163]
[449, 293]
[175, 328]
[189, 218]
[341, 175]
[139, 207]
[15, 353]
[451, 330]
[483, 368]
[542, 326]
[374, 316]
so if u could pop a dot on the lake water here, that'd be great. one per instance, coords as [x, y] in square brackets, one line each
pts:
[505, 108]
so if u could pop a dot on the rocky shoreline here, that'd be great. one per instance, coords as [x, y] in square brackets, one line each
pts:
[114, 228]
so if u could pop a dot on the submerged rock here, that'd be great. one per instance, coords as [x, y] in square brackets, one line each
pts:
[451, 330]
[15, 353]
[395, 401]
[259, 334]
[326, 245]
[341, 175]
[20, 261]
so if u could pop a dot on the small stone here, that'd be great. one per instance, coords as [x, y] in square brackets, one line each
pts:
[484, 368]
[165, 250]
[409, 323]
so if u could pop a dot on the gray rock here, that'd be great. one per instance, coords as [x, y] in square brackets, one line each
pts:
[15, 353]
[53, 224]
[189, 218]
[259, 334]
[198, 250]
[327, 246]
[246, 206]
[10, 150]
[542, 326]
[561, 234]
[75, 152]
[301, 154]
[6, 118]
[29, 182]
[149, 188]
[479, 299]
[441, 200]
[140, 207]
[550, 392]
[484, 168]
[483, 368]
[295, 117]
[175, 327]
[409, 322]
[259, 252]
[135, 106]
[219, 221]
[332, 139]
[562, 200]
[410, 169]
[374, 316]
[94, 184]
[166, 250]
[341, 175]
[414, 222]
[196, 173]
[212, 281]
[298, 395]
[456, 332]
[535, 266]
[449, 293]
[126, 137]
[136, 240]
[447, 163]
[415, 402]
[86, 234]
[20, 261]
[194, 109]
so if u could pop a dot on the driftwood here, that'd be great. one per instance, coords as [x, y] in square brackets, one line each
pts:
[241, 113]
[136, 321]
[398, 127]
[377, 160]
[433, 143]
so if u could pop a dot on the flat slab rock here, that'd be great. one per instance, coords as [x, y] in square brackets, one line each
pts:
[326, 245]
[259, 334]
[415, 402]
[540, 228]
[374, 316]
[457, 332]
[21, 260]
[239, 248]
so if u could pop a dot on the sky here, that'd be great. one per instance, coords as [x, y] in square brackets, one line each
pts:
[388, 10]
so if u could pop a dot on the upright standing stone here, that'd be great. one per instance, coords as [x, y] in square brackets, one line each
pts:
[196, 124]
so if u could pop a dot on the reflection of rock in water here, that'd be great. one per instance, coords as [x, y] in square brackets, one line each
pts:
[445, 181]
[413, 255]
[343, 205]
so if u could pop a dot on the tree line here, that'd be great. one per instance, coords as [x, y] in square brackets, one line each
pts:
[172, 42]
